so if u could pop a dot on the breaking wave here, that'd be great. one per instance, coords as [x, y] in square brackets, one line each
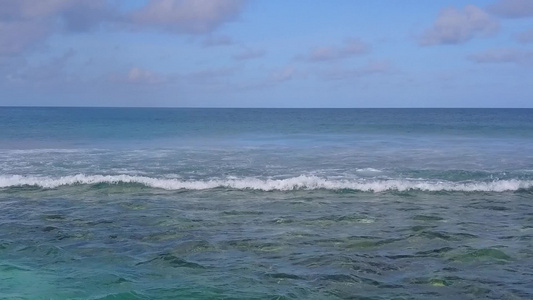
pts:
[303, 182]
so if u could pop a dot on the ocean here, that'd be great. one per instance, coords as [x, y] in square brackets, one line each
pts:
[186, 203]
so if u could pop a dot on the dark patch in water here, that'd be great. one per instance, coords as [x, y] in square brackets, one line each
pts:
[434, 252]
[420, 227]
[383, 266]
[4, 246]
[21, 188]
[49, 228]
[242, 213]
[436, 235]
[173, 261]
[445, 235]
[11, 268]
[284, 276]
[466, 235]
[524, 191]
[495, 207]
[351, 218]
[54, 217]
[427, 218]
[98, 222]
[339, 278]
[405, 194]
[400, 256]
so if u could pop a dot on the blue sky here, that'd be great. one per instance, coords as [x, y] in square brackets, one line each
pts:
[266, 53]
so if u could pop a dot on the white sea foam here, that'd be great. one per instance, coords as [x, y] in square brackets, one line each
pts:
[46, 151]
[368, 170]
[302, 182]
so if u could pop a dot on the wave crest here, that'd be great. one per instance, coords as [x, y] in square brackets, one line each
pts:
[302, 182]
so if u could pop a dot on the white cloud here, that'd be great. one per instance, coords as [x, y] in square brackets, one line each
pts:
[350, 47]
[16, 36]
[25, 23]
[219, 40]
[84, 15]
[30, 9]
[454, 26]
[513, 8]
[189, 16]
[504, 55]
[284, 74]
[139, 76]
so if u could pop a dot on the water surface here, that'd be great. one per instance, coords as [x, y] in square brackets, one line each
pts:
[109, 203]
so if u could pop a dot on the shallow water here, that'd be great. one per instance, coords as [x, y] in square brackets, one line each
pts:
[356, 204]
[247, 244]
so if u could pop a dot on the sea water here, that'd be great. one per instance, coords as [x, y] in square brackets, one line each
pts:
[141, 203]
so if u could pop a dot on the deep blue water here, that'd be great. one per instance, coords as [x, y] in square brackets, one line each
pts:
[141, 203]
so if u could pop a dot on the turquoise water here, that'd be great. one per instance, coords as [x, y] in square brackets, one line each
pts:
[109, 203]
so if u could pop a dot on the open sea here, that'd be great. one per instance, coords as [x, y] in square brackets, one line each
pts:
[146, 203]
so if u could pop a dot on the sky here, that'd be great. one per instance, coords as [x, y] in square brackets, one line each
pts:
[266, 53]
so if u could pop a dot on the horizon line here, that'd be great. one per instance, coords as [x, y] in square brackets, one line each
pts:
[244, 107]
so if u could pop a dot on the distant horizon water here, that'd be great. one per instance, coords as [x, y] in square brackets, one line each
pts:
[261, 107]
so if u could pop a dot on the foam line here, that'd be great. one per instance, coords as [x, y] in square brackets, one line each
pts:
[302, 182]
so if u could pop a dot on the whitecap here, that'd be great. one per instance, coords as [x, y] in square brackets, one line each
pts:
[302, 182]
